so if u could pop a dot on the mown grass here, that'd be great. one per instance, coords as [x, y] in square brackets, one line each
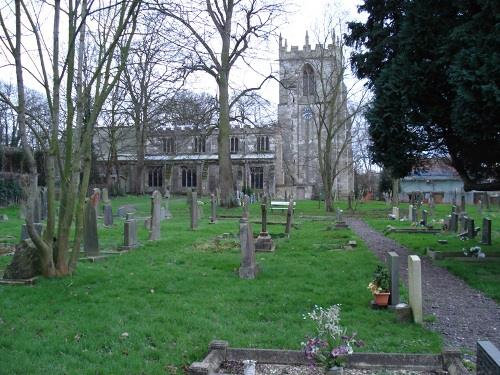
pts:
[154, 310]
[484, 276]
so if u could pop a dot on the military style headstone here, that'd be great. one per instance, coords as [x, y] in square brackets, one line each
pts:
[248, 268]
[415, 287]
[471, 230]
[213, 209]
[130, 234]
[108, 215]
[194, 210]
[393, 264]
[264, 241]
[90, 239]
[454, 222]
[154, 233]
[105, 195]
[289, 218]
[24, 230]
[486, 234]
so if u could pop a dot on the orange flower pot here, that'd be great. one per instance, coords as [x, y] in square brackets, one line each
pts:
[382, 299]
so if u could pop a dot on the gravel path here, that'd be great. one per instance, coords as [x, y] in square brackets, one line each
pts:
[463, 315]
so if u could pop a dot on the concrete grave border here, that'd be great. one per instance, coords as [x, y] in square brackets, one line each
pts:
[219, 352]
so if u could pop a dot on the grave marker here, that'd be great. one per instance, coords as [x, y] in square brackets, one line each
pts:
[194, 210]
[454, 222]
[90, 239]
[24, 231]
[415, 287]
[471, 230]
[395, 213]
[410, 213]
[213, 209]
[289, 218]
[264, 241]
[424, 218]
[108, 215]
[105, 195]
[154, 233]
[393, 265]
[486, 233]
[130, 234]
[248, 268]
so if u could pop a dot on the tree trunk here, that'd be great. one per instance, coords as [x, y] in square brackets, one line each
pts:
[225, 165]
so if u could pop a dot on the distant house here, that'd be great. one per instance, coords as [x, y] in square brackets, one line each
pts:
[441, 181]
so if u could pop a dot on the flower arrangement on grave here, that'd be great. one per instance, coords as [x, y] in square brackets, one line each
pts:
[474, 251]
[331, 344]
[381, 280]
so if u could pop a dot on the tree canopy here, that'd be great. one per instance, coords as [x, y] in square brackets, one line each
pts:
[433, 67]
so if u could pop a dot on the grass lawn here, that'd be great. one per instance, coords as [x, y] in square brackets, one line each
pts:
[154, 310]
[484, 276]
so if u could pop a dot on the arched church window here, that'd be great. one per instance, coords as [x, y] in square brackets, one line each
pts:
[308, 84]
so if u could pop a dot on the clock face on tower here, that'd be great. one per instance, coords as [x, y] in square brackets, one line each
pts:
[307, 113]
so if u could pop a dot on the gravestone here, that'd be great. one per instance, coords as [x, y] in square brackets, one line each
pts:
[462, 222]
[340, 223]
[395, 213]
[90, 239]
[168, 214]
[393, 265]
[454, 222]
[410, 213]
[471, 230]
[4, 217]
[95, 199]
[24, 230]
[108, 215]
[127, 209]
[130, 234]
[194, 210]
[486, 233]
[248, 268]
[289, 218]
[213, 209]
[488, 359]
[105, 195]
[25, 264]
[432, 205]
[424, 218]
[246, 204]
[154, 233]
[415, 287]
[162, 213]
[414, 214]
[264, 241]
[462, 202]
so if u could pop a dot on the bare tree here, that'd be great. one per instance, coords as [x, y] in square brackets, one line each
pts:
[220, 33]
[84, 84]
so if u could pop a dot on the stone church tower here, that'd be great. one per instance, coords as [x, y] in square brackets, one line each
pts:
[304, 74]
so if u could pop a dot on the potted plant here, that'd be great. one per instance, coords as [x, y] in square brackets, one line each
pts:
[380, 285]
[330, 345]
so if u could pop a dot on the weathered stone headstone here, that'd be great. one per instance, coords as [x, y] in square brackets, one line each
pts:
[213, 209]
[462, 202]
[340, 223]
[105, 195]
[130, 234]
[24, 230]
[432, 205]
[264, 241]
[127, 209]
[462, 222]
[415, 287]
[424, 218]
[289, 218]
[454, 222]
[471, 230]
[90, 239]
[414, 214]
[410, 213]
[95, 199]
[246, 204]
[486, 233]
[25, 263]
[4, 217]
[108, 215]
[168, 214]
[248, 268]
[44, 204]
[393, 265]
[194, 210]
[129, 216]
[395, 213]
[154, 233]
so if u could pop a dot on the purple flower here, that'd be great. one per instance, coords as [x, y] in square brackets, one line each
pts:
[340, 351]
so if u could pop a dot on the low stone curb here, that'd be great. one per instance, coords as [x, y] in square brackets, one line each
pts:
[219, 352]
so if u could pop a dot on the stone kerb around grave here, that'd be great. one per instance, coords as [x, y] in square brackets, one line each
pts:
[220, 352]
